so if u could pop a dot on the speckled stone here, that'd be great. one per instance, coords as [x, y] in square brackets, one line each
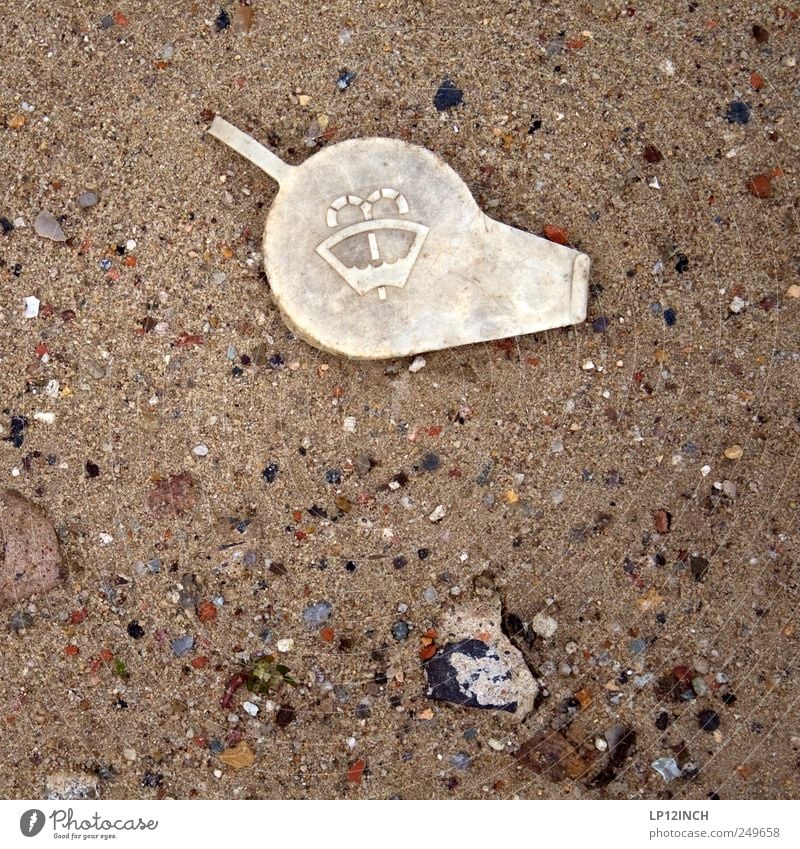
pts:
[31, 562]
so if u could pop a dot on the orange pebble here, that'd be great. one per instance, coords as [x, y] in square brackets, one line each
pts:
[555, 234]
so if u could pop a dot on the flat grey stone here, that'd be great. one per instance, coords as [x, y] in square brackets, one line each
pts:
[375, 248]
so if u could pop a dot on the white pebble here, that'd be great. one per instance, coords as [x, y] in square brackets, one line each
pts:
[200, 450]
[106, 539]
[45, 418]
[418, 363]
[250, 708]
[497, 745]
[129, 754]
[31, 306]
[587, 365]
[349, 424]
[285, 645]
[438, 513]
[544, 626]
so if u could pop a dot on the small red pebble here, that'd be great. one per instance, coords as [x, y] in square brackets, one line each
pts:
[300, 535]
[756, 81]
[120, 20]
[41, 349]
[189, 339]
[555, 234]
[576, 44]
[356, 771]
[130, 261]
[78, 616]
[46, 311]
[199, 662]
[760, 186]
[327, 634]
[434, 431]
[113, 274]
[662, 520]
[106, 655]
[207, 612]
[71, 650]
[427, 652]
[682, 674]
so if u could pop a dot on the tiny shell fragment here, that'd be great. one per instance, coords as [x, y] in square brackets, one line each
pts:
[46, 225]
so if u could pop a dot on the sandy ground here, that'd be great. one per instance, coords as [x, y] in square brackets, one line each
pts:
[551, 467]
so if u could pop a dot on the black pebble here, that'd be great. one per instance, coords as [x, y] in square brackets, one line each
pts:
[708, 720]
[729, 699]
[423, 553]
[600, 325]
[430, 462]
[447, 96]
[17, 429]
[6, 225]
[350, 566]
[92, 469]
[152, 779]
[682, 264]
[662, 721]
[270, 472]
[135, 630]
[333, 476]
[399, 562]
[670, 317]
[536, 124]
[738, 112]
[223, 20]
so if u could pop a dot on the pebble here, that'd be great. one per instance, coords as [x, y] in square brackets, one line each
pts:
[285, 645]
[315, 615]
[438, 513]
[699, 685]
[86, 200]
[430, 595]
[486, 671]
[760, 186]
[667, 768]
[30, 561]
[447, 96]
[31, 307]
[363, 463]
[345, 79]
[200, 450]
[182, 645]
[46, 225]
[400, 631]
[461, 760]
[734, 452]
[793, 291]
[417, 364]
[544, 626]
[708, 720]
[738, 112]
[250, 708]
[349, 424]
[20, 620]
[497, 745]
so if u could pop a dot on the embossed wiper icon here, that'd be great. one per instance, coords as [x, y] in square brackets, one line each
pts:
[380, 272]
[381, 214]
